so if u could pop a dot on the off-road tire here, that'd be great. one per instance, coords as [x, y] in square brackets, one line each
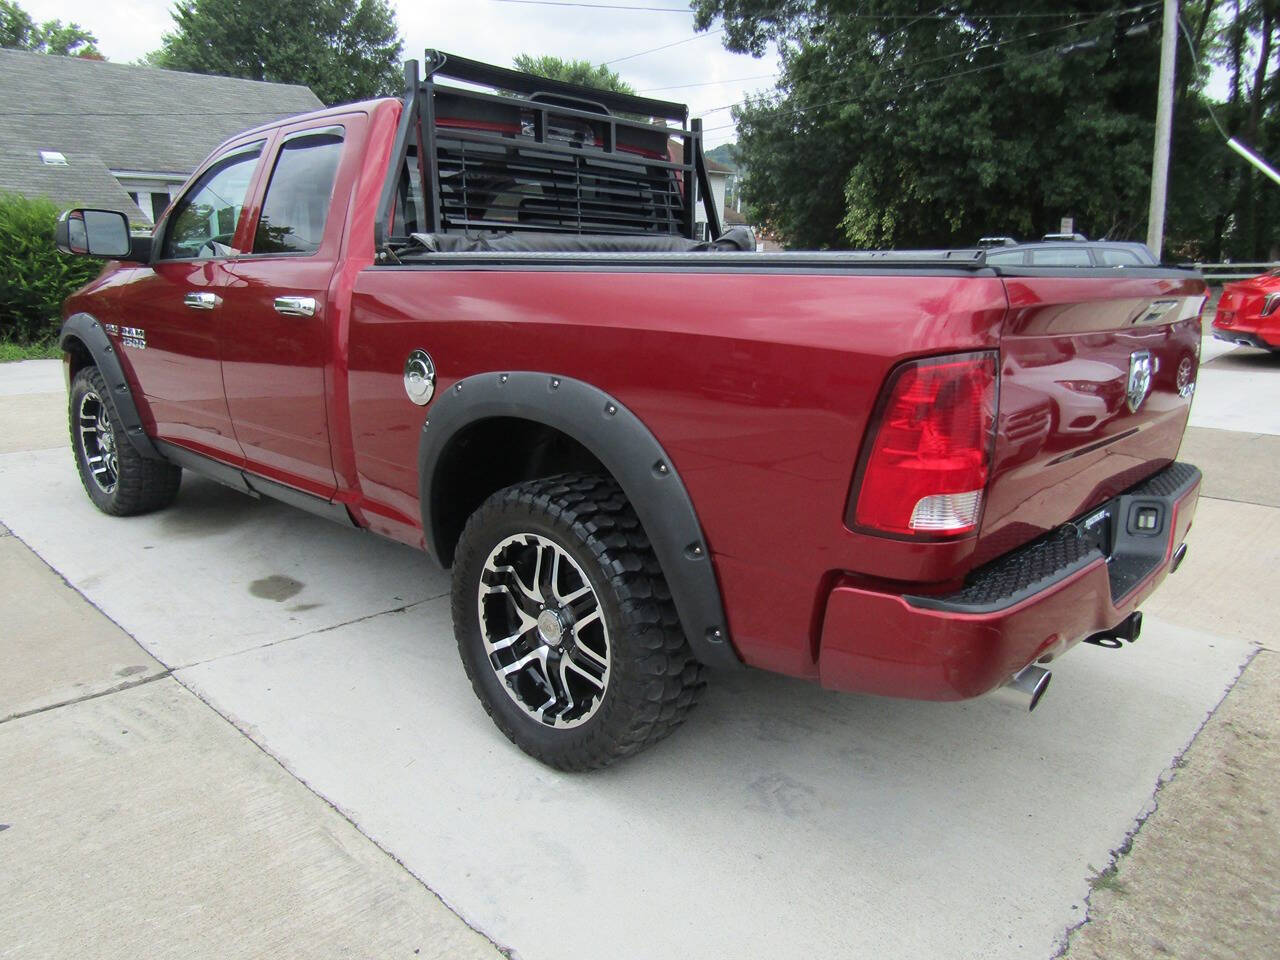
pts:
[142, 484]
[654, 679]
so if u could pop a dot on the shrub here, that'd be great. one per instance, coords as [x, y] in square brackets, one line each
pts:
[34, 277]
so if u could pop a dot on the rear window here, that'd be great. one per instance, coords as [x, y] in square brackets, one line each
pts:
[1061, 257]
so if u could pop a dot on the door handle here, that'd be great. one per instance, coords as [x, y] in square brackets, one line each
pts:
[296, 306]
[202, 301]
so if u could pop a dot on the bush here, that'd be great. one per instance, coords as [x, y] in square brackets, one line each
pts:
[34, 277]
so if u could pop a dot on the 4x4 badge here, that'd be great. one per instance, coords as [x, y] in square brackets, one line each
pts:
[1140, 370]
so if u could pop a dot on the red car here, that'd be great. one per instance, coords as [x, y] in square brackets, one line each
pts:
[1249, 312]
[484, 325]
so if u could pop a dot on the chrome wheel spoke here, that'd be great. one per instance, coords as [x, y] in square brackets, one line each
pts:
[588, 655]
[533, 602]
[525, 606]
[527, 624]
[568, 599]
[593, 675]
[587, 619]
[540, 655]
[97, 442]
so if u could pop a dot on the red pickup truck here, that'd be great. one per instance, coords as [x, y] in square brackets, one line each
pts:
[488, 325]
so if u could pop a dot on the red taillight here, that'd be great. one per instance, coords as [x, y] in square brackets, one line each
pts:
[926, 467]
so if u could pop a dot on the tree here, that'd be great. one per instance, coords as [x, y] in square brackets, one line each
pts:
[1219, 206]
[582, 72]
[895, 125]
[19, 32]
[344, 50]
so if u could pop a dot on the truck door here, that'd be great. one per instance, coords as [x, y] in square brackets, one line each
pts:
[171, 334]
[281, 331]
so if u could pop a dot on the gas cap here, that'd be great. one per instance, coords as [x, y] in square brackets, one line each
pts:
[420, 377]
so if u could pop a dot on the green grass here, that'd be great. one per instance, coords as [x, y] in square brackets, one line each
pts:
[28, 351]
[1107, 880]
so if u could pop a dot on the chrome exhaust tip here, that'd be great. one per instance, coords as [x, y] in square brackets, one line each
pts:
[1025, 689]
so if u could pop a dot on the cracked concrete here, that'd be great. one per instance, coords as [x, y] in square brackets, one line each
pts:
[52, 651]
[136, 822]
[1201, 878]
[141, 824]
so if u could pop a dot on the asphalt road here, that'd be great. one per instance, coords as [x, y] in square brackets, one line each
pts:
[781, 821]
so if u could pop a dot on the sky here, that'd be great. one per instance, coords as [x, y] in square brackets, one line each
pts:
[495, 31]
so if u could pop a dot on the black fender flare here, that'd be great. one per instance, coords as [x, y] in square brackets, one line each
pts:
[87, 330]
[627, 449]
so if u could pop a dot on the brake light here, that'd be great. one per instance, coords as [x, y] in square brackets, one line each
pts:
[926, 465]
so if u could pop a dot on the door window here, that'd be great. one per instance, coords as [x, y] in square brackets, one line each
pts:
[203, 223]
[1061, 257]
[1112, 257]
[1005, 258]
[298, 197]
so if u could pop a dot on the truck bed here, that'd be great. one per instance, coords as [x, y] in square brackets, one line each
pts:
[760, 372]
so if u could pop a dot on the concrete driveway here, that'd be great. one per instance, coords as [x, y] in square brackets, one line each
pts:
[781, 821]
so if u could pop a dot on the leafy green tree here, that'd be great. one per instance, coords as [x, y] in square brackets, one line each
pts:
[895, 125]
[1242, 38]
[582, 72]
[344, 50]
[19, 32]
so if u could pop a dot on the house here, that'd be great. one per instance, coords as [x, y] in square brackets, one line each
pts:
[90, 133]
[718, 174]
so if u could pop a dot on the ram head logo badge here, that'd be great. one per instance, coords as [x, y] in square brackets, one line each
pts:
[1140, 371]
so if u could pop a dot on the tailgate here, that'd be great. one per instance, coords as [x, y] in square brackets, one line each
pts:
[1096, 377]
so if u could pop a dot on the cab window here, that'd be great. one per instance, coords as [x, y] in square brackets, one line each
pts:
[297, 202]
[203, 223]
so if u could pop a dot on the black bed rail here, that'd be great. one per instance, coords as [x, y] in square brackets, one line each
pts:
[538, 154]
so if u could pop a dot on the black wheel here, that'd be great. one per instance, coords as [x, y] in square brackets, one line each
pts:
[119, 480]
[565, 623]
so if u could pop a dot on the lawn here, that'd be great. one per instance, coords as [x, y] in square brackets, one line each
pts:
[28, 351]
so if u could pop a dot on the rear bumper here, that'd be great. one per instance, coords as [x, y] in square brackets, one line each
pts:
[1245, 337]
[1036, 602]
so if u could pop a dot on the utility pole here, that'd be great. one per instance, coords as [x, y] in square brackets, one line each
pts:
[1164, 128]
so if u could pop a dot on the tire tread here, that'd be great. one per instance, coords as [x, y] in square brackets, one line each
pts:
[144, 485]
[665, 680]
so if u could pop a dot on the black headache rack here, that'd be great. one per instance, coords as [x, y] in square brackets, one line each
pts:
[538, 155]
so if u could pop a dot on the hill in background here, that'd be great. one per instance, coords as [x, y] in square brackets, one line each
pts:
[726, 153]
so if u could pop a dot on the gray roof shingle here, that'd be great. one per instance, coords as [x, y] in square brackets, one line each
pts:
[133, 118]
[84, 182]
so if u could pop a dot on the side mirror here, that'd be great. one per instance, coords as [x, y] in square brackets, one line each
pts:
[94, 233]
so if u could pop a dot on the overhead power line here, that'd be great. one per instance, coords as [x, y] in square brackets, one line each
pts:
[665, 46]
[709, 83]
[1066, 48]
[936, 15]
[943, 78]
[596, 6]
